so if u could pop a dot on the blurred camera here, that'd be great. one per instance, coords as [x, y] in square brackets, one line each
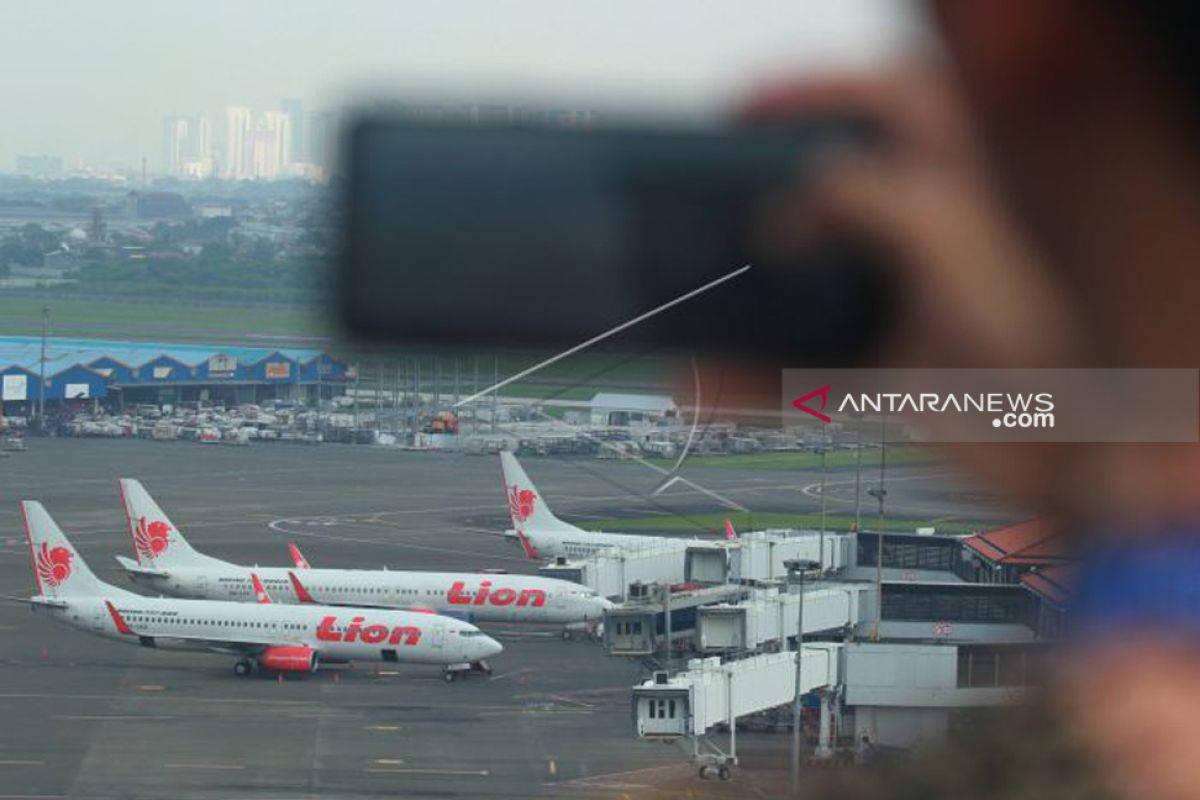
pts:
[541, 236]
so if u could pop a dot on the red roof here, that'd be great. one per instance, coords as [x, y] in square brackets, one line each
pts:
[1031, 543]
[1052, 583]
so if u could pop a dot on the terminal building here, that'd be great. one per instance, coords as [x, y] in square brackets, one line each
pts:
[119, 373]
[903, 631]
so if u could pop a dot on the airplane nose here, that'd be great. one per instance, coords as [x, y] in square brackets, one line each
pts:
[489, 647]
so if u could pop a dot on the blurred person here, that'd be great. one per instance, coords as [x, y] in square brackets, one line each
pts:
[1038, 199]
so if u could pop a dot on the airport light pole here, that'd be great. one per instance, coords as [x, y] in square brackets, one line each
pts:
[797, 568]
[42, 371]
[879, 493]
[821, 539]
[858, 481]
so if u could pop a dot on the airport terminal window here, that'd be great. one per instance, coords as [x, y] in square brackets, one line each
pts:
[979, 604]
[911, 552]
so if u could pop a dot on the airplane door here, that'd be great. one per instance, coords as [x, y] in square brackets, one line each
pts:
[439, 636]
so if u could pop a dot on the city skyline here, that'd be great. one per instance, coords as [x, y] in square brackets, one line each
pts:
[240, 142]
[93, 81]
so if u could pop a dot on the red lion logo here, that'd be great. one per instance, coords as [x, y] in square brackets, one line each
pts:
[53, 566]
[520, 503]
[152, 538]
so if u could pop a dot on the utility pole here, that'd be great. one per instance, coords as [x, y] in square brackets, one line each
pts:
[416, 404]
[42, 371]
[495, 392]
[666, 588]
[357, 395]
[378, 398]
[475, 391]
[880, 493]
[320, 374]
[821, 549]
[858, 481]
[796, 568]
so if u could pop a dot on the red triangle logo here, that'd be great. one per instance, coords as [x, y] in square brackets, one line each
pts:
[823, 393]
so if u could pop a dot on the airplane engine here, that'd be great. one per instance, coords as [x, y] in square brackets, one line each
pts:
[289, 659]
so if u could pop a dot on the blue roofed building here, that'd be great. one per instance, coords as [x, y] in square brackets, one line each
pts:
[121, 372]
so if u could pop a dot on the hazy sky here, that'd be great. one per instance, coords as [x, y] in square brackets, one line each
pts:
[91, 80]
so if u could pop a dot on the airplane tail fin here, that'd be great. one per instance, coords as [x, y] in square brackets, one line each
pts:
[156, 541]
[730, 533]
[527, 508]
[297, 557]
[57, 567]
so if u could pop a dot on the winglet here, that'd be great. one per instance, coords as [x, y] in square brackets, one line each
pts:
[526, 545]
[730, 533]
[301, 593]
[297, 557]
[122, 626]
[260, 592]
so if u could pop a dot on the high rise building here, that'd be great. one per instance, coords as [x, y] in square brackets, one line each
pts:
[268, 146]
[202, 144]
[238, 127]
[176, 141]
[293, 107]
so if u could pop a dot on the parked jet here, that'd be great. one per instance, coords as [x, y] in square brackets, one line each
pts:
[167, 563]
[270, 636]
[542, 535]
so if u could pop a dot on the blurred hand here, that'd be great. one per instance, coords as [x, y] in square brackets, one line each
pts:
[971, 289]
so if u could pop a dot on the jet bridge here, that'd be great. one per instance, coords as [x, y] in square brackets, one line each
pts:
[767, 619]
[756, 556]
[761, 555]
[688, 704]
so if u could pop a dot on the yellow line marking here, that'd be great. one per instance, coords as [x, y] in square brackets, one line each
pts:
[204, 766]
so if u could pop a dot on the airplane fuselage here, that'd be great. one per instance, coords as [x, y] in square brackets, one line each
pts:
[479, 597]
[581, 543]
[336, 634]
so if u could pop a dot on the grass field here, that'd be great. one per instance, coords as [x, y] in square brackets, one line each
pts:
[174, 322]
[715, 523]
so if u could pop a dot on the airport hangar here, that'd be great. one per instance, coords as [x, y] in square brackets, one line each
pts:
[119, 373]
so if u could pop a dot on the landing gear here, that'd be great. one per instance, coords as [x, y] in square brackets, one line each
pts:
[708, 772]
[583, 630]
[455, 671]
[243, 668]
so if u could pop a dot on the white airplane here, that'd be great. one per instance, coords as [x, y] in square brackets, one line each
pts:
[544, 536]
[166, 563]
[265, 635]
